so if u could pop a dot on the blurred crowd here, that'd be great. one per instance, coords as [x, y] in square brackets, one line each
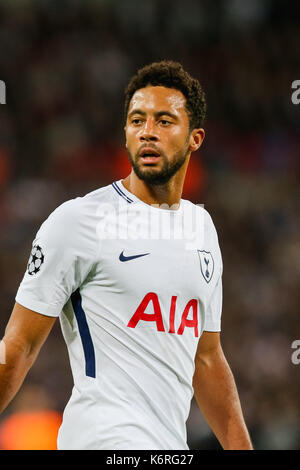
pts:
[65, 65]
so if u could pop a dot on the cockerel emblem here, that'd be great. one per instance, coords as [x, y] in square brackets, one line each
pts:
[206, 264]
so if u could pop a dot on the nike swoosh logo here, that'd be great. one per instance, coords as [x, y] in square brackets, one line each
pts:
[122, 257]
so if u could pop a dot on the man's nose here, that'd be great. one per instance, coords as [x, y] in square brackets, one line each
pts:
[148, 132]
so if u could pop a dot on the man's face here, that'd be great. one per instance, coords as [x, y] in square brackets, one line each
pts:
[157, 133]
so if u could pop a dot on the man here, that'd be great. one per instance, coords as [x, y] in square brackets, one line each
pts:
[138, 295]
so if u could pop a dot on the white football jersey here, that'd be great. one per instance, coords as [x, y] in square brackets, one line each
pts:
[134, 287]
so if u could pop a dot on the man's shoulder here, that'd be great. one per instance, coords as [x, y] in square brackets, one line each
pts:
[104, 193]
[201, 210]
[80, 205]
[208, 230]
[78, 215]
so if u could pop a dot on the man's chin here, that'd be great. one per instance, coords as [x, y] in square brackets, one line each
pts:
[152, 175]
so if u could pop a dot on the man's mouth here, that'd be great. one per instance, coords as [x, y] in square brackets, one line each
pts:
[149, 155]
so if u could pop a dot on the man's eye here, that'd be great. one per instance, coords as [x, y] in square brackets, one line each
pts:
[164, 122]
[136, 121]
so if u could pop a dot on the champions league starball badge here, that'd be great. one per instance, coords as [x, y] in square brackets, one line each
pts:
[36, 260]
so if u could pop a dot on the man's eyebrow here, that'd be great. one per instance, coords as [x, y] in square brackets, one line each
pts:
[165, 113]
[137, 111]
[156, 114]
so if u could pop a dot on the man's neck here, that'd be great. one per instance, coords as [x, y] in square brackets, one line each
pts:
[168, 194]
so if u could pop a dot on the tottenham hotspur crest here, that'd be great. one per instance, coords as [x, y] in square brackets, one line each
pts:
[206, 264]
[36, 260]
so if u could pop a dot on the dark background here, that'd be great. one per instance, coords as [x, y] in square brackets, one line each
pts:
[65, 65]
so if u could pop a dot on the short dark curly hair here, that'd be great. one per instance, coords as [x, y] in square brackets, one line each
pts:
[171, 74]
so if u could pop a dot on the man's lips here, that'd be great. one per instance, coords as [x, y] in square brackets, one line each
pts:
[149, 155]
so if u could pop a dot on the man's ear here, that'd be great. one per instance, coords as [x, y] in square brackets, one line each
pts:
[196, 139]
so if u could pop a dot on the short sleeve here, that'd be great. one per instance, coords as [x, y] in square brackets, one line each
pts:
[62, 255]
[214, 310]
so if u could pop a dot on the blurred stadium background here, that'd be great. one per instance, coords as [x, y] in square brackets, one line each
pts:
[65, 64]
